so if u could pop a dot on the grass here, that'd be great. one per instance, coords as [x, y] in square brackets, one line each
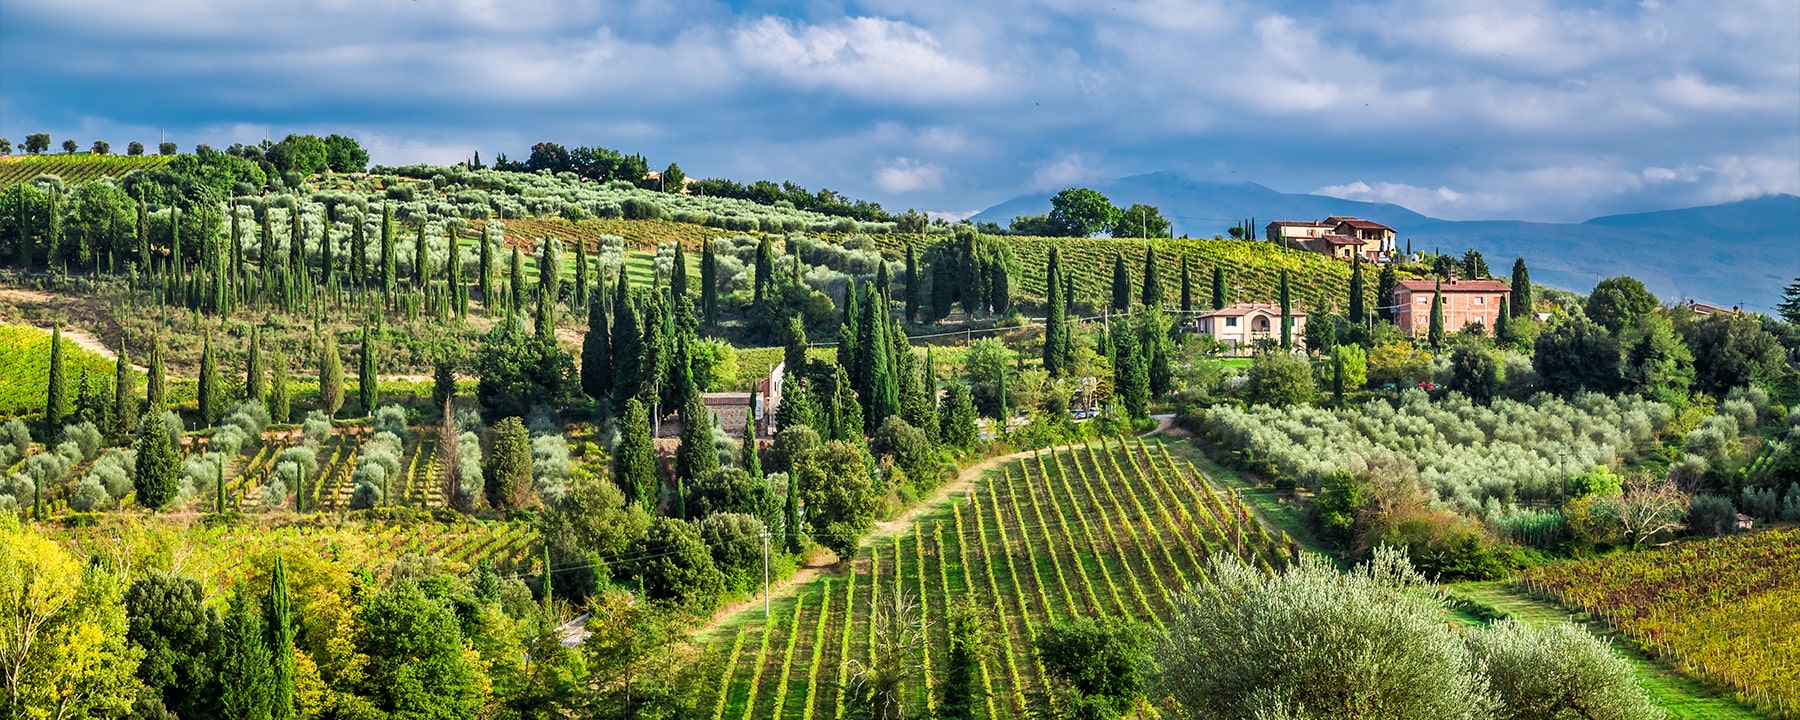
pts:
[1683, 697]
[25, 369]
[1284, 515]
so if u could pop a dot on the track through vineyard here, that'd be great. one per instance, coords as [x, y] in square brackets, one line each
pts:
[1110, 528]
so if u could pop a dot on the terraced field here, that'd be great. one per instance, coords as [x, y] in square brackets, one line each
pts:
[1110, 528]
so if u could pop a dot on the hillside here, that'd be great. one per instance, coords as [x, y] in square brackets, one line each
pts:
[1736, 253]
[76, 167]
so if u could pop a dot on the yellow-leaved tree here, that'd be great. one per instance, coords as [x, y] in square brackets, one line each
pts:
[63, 652]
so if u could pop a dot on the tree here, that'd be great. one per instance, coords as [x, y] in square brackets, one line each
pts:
[169, 621]
[1357, 313]
[1248, 644]
[211, 403]
[134, 148]
[1650, 507]
[1287, 313]
[914, 289]
[1218, 287]
[957, 413]
[56, 403]
[627, 346]
[726, 490]
[1578, 355]
[1617, 303]
[1130, 376]
[1056, 318]
[696, 455]
[1730, 350]
[839, 495]
[1385, 282]
[549, 286]
[153, 385]
[418, 665]
[279, 623]
[634, 460]
[596, 353]
[1081, 212]
[1280, 379]
[1121, 284]
[882, 397]
[1152, 295]
[1434, 334]
[679, 569]
[70, 146]
[960, 688]
[897, 636]
[484, 275]
[673, 179]
[748, 459]
[368, 386]
[244, 661]
[1521, 300]
[1153, 333]
[518, 371]
[63, 653]
[345, 154]
[508, 471]
[279, 398]
[1475, 372]
[459, 290]
[1557, 670]
[709, 283]
[101, 147]
[515, 281]
[390, 261]
[155, 475]
[125, 406]
[331, 377]
[1100, 666]
[255, 386]
[1141, 221]
[1658, 364]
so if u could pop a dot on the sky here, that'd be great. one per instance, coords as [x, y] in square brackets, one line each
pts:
[1459, 109]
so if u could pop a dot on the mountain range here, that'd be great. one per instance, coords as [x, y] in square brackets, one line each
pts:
[1742, 253]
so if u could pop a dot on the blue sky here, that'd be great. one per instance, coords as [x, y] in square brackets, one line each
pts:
[1527, 109]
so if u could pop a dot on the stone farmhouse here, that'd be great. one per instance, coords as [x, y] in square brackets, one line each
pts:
[1240, 326]
[1337, 236]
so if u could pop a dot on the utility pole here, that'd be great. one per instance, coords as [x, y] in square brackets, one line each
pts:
[765, 544]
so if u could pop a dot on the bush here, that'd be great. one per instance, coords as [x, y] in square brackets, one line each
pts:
[680, 569]
[85, 436]
[89, 494]
[736, 543]
[1280, 379]
[1711, 516]
[1555, 671]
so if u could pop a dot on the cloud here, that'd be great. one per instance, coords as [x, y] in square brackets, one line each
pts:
[864, 56]
[1061, 172]
[907, 175]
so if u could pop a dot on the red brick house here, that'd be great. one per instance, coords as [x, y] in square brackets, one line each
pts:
[1465, 302]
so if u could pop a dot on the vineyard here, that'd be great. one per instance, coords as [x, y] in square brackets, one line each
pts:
[226, 555]
[1102, 529]
[1724, 610]
[25, 368]
[79, 167]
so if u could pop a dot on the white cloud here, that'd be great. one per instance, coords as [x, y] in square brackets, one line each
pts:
[1065, 170]
[907, 175]
[862, 55]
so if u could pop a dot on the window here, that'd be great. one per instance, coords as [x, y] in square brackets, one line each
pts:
[1230, 322]
[1481, 300]
[1424, 301]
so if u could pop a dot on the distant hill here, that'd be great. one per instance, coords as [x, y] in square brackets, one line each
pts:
[1743, 252]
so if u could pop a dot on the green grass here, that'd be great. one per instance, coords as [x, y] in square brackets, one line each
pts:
[1285, 515]
[1683, 697]
[25, 369]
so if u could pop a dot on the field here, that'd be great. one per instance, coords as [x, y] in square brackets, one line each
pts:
[1104, 529]
[25, 368]
[1723, 610]
[79, 167]
[225, 555]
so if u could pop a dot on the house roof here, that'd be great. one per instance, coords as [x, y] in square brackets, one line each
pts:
[1298, 223]
[1247, 308]
[1363, 224]
[1335, 239]
[1454, 286]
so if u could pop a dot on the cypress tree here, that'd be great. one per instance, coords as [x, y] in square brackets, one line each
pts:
[627, 349]
[696, 455]
[154, 384]
[210, 402]
[1121, 284]
[1503, 332]
[1187, 285]
[764, 271]
[125, 408]
[1521, 300]
[1385, 283]
[1056, 317]
[846, 412]
[1218, 287]
[327, 259]
[926, 415]
[596, 353]
[1132, 382]
[237, 243]
[790, 516]
[849, 340]
[580, 299]
[174, 243]
[154, 475]
[748, 458]
[1287, 314]
[678, 279]
[793, 354]
[515, 280]
[278, 614]
[443, 382]
[913, 289]
[709, 284]
[367, 385]
[1356, 290]
[653, 362]
[508, 468]
[254, 388]
[883, 397]
[143, 234]
[634, 461]
[56, 402]
[279, 403]
[484, 275]
[1152, 295]
[389, 261]
[459, 290]
[331, 377]
[957, 412]
[359, 252]
[1435, 334]
[420, 266]
[882, 284]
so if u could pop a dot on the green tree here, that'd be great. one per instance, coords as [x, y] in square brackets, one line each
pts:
[211, 402]
[839, 495]
[1099, 666]
[169, 621]
[64, 652]
[1056, 318]
[1618, 303]
[255, 384]
[390, 267]
[1279, 379]
[1154, 341]
[443, 379]
[709, 284]
[882, 399]
[1357, 313]
[1557, 670]
[1578, 355]
[331, 377]
[1081, 212]
[634, 460]
[1731, 350]
[680, 569]
[960, 689]
[368, 386]
[459, 290]
[36, 143]
[484, 275]
[1287, 313]
[1521, 298]
[957, 413]
[627, 347]
[696, 455]
[280, 627]
[56, 403]
[1475, 372]
[1131, 378]
[418, 666]
[1141, 221]
[1434, 334]
[1121, 284]
[1187, 285]
[1152, 295]
[156, 471]
[1385, 282]
[914, 289]
[515, 282]
[508, 471]
[125, 404]
[244, 662]
[1658, 364]
[1218, 287]
[748, 458]
[597, 353]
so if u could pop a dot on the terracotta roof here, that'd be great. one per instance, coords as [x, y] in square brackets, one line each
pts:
[1298, 223]
[1247, 308]
[1335, 239]
[724, 399]
[1363, 224]
[1454, 286]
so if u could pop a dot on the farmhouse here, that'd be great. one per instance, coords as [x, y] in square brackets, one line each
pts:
[1295, 232]
[1336, 236]
[1466, 302]
[1240, 326]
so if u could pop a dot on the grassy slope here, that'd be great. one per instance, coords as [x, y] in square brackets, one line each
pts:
[25, 369]
[1683, 697]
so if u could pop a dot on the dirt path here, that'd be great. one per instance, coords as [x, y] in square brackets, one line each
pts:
[899, 523]
[80, 336]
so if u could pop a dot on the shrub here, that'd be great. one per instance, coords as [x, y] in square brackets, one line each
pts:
[1711, 515]
[1280, 379]
[736, 543]
[85, 436]
[1557, 670]
[89, 494]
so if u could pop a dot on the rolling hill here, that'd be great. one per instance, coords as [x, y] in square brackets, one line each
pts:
[1737, 253]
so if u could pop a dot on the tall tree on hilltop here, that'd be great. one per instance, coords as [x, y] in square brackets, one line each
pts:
[913, 288]
[515, 282]
[549, 288]
[421, 257]
[678, 277]
[367, 385]
[484, 275]
[849, 331]
[1287, 314]
[1152, 295]
[359, 252]
[1121, 284]
[1218, 287]
[764, 283]
[154, 383]
[390, 261]
[459, 290]
[709, 284]
[1521, 299]
[56, 402]
[883, 397]
[331, 377]
[1056, 318]
[627, 348]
